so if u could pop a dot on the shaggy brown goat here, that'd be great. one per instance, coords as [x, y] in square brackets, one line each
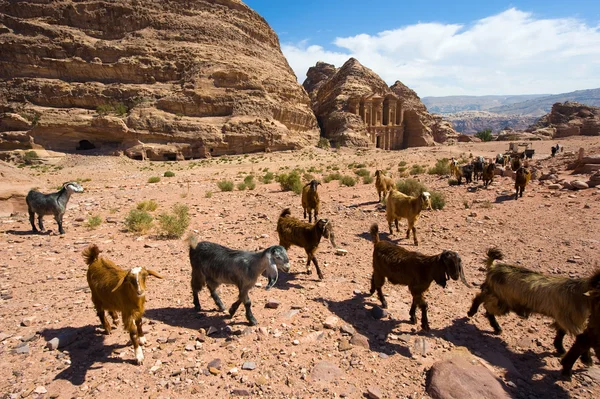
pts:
[513, 288]
[118, 290]
[310, 200]
[292, 231]
[413, 269]
[488, 174]
[399, 205]
[383, 184]
[591, 336]
[521, 180]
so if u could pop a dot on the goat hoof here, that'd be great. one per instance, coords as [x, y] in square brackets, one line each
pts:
[497, 332]
[587, 362]
[252, 321]
[309, 272]
[565, 375]
[426, 327]
[470, 314]
[320, 276]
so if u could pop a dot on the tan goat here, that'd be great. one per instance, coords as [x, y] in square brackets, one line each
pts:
[399, 205]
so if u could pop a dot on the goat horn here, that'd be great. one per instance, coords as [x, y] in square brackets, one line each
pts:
[463, 278]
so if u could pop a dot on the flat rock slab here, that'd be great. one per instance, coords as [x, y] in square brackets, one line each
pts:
[457, 378]
[325, 372]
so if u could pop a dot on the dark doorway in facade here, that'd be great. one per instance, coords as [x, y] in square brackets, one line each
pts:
[85, 145]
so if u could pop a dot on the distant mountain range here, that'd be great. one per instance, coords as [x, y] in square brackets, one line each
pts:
[498, 112]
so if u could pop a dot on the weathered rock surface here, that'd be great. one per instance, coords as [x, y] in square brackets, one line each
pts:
[471, 122]
[569, 119]
[163, 80]
[457, 378]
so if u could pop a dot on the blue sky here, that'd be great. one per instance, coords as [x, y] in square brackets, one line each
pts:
[444, 47]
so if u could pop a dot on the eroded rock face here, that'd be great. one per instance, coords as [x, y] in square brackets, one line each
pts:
[569, 119]
[164, 80]
[354, 106]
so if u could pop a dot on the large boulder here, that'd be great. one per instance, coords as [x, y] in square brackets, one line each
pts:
[202, 77]
[569, 119]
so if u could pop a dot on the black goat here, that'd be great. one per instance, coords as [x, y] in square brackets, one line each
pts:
[50, 204]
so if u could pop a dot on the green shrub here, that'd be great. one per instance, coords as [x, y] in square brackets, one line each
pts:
[154, 179]
[441, 168]
[324, 143]
[168, 173]
[225, 185]
[94, 221]
[113, 108]
[241, 186]
[362, 172]
[268, 177]
[360, 166]
[251, 185]
[29, 155]
[348, 181]
[290, 182]
[417, 170]
[411, 187]
[367, 179]
[138, 221]
[402, 163]
[438, 201]
[249, 182]
[332, 176]
[452, 182]
[174, 224]
[208, 194]
[149, 206]
[466, 204]
[485, 135]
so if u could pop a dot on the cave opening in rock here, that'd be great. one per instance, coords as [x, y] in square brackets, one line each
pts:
[170, 156]
[85, 145]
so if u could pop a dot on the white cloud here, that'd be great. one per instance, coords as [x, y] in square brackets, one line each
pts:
[509, 53]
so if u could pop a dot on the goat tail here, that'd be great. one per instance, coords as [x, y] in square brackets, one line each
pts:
[90, 254]
[374, 230]
[192, 241]
[285, 212]
[493, 254]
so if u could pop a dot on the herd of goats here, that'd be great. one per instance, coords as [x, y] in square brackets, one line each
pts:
[573, 303]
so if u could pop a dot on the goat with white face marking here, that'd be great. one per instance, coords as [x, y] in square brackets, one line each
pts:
[117, 290]
[50, 204]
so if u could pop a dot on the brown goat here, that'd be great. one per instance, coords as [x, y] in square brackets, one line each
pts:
[400, 205]
[488, 174]
[117, 290]
[413, 269]
[521, 180]
[310, 200]
[590, 338]
[292, 231]
[383, 184]
[513, 288]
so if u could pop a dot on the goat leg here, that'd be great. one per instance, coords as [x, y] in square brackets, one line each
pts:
[32, 220]
[234, 307]
[41, 222]
[309, 257]
[140, 332]
[582, 344]
[397, 226]
[414, 230]
[196, 300]
[305, 213]
[494, 323]
[115, 317]
[558, 341]
[586, 358]
[424, 320]
[59, 221]
[413, 312]
[314, 259]
[212, 287]
[478, 300]
[139, 354]
[249, 315]
[103, 321]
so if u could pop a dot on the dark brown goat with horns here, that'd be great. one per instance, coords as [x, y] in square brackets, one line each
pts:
[413, 269]
[509, 288]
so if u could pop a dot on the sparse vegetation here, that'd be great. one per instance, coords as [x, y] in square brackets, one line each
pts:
[410, 187]
[290, 182]
[466, 204]
[138, 221]
[438, 201]
[112, 108]
[402, 163]
[485, 135]
[154, 179]
[225, 185]
[149, 206]
[168, 173]
[487, 204]
[174, 224]
[208, 194]
[367, 179]
[362, 172]
[249, 182]
[332, 176]
[441, 168]
[241, 186]
[268, 177]
[452, 182]
[93, 222]
[324, 143]
[30, 155]
[348, 181]
[416, 170]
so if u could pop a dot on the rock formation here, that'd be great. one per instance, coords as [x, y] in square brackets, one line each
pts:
[355, 107]
[569, 119]
[163, 80]
[471, 122]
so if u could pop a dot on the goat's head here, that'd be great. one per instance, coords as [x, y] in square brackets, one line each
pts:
[325, 227]
[136, 279]
[313, 185]
[426, 200]
[278, 260]
[73, 187]
[452, 269]
[378, 173]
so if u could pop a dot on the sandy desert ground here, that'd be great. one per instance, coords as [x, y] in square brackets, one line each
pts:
[290, 353]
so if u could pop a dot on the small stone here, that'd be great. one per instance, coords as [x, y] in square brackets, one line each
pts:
[240, 392]
[347, 329]
[27, 321]
[212, 330]
[360, 340]
[344, 345]
[291, 313]
[40, 390]
[263, 331]
[296, 342]
[357, 292]
[272, 304]
[22, 349]
[4, 336]
[215, 363]
[554, 186]
[473, 214]
[378, 313]
[374, 393]
[579, 185]
[341, 252]
[233, 371]
[214, 371]
[511, 384]
[420, 347]
[330, 322]
[52, 344]
[111, 219]
[190, 347]
[248, 366]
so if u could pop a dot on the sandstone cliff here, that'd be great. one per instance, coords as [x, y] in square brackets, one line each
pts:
[162, 79]
[568, 119]
[471, 122]
[354, 106]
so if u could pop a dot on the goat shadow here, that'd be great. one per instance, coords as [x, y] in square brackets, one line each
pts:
[386, 236]
[366, 203]
[501, 198]
[86, 349]
[523, 369]
[188, 318]
[29, 232]
[353, 311]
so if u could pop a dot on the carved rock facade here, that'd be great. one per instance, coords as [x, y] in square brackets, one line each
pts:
[153, 79]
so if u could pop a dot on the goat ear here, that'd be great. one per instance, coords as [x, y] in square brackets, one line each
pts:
[120, 282]
[271, 272]
[153, 273]
[588, 293]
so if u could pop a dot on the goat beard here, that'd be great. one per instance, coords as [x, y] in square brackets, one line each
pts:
[332, 240]
[271, 283]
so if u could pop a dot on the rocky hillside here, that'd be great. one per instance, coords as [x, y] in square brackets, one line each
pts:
[164, 80]
[454, 104]
[569, 119]
[330, 90]
[542, 105]
[471, 122]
